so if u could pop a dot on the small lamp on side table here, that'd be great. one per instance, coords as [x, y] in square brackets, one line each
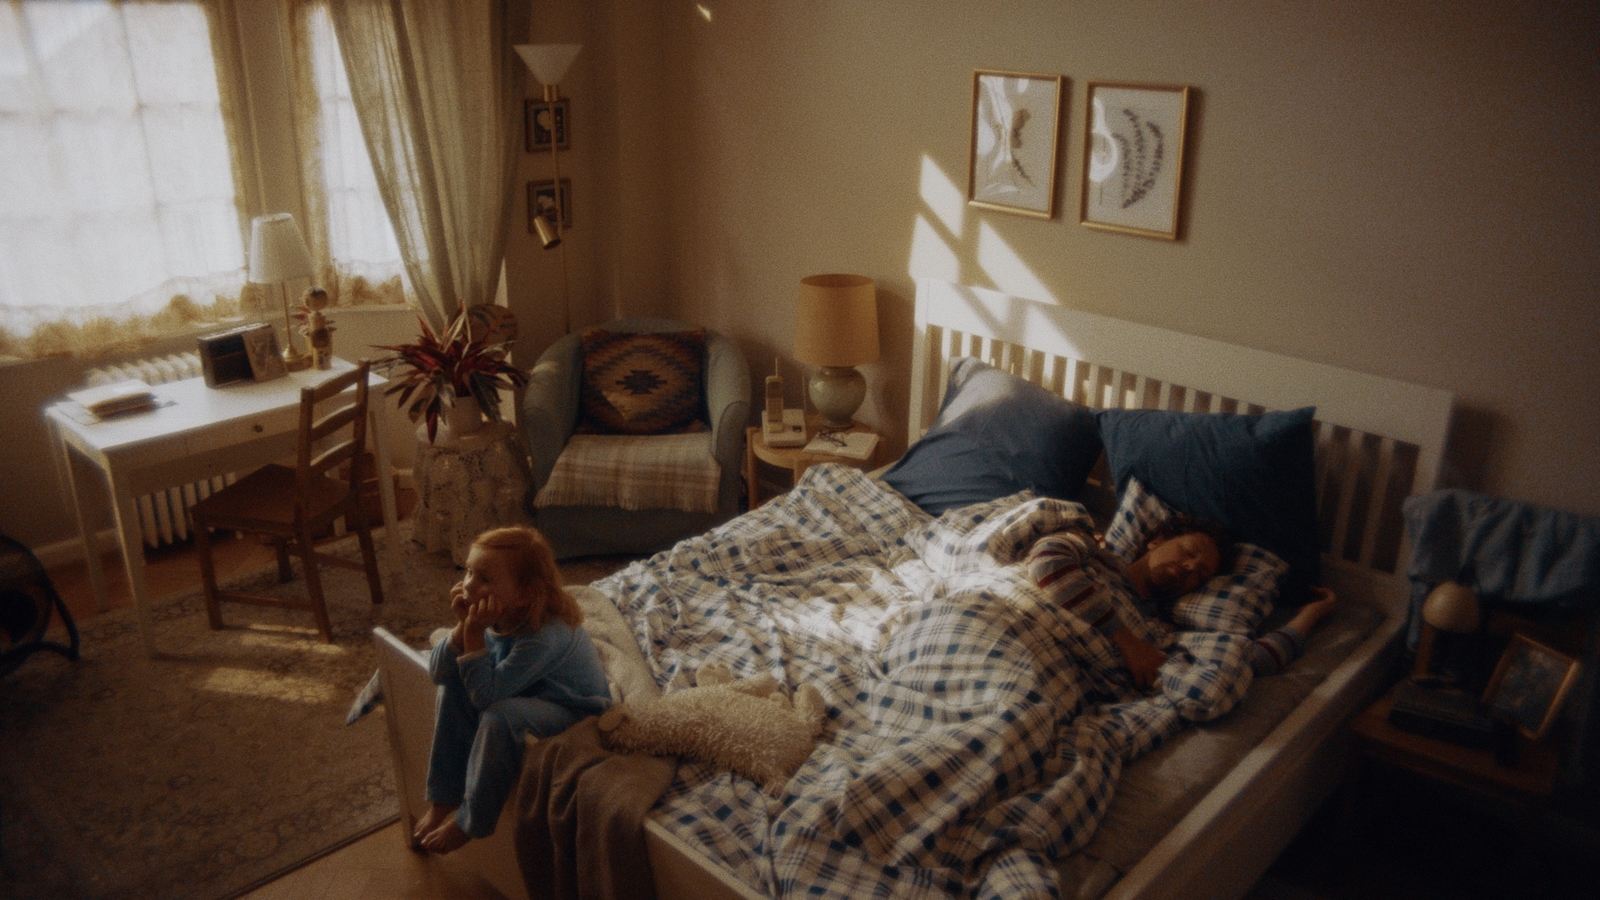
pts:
[1451, 611]
[836, 328]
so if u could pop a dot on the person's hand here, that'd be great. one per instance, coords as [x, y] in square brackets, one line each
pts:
[1314, 611]
[482, 614]
[1143, 659]
[458, 601]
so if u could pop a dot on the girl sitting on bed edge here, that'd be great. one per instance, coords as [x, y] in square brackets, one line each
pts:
[1181, 554]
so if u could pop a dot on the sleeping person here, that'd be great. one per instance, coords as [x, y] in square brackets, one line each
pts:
[1074, 569]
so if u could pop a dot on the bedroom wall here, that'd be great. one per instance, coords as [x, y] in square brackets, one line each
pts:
[1402, 189]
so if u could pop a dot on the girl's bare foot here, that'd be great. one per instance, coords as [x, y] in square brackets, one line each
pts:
[446, 837]
[437, 814]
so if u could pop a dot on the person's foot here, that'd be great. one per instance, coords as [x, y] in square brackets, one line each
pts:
[446, 837]
[437, 814]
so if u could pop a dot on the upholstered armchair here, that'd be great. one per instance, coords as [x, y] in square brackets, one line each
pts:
[606, 493]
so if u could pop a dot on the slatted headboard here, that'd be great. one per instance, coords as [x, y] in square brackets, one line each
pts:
[1378, 440]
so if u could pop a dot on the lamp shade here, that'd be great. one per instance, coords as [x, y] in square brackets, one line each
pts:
[1451, 607]
[837, 323]
[549, 62]
[277, 250]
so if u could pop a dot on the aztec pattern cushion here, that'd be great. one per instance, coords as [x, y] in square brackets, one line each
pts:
[1235, 601]
[647, 383]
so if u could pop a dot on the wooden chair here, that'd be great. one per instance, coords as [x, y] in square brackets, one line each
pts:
[293, 505]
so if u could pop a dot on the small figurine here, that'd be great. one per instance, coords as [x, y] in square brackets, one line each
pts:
[317, 329]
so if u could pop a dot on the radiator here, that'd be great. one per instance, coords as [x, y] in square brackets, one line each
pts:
[163, 518]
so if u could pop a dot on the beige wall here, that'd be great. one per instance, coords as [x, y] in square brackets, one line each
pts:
[1405, 189]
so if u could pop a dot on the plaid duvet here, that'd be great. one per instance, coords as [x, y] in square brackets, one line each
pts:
[976, 732]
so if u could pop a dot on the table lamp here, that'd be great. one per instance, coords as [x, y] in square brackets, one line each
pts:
[278, 254]
[836, 329]
[1451, 609]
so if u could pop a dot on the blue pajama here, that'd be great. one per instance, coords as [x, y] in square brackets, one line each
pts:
[539, 683]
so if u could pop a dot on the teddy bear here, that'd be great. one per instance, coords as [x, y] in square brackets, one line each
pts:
[744, 725]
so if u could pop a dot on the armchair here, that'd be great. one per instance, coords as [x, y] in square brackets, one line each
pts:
[550, 413]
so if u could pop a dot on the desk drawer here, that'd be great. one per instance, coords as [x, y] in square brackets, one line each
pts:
[242, 431]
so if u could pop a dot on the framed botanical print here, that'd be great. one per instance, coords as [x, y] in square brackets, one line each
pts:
[1529, 685]
[1133, 158]
[539, 123]
[1015, 125]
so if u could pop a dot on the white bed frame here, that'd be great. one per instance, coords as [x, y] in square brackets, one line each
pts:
[1378, 442]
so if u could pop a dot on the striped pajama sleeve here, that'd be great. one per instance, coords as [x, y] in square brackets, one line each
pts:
[1272, 652]
[1058, 564]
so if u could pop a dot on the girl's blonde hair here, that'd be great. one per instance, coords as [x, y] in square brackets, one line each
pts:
[534, 567]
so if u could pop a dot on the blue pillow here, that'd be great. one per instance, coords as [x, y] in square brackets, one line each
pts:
[997, 434]
[1256, 474]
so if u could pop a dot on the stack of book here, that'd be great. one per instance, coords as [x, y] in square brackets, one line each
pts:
[116, 398]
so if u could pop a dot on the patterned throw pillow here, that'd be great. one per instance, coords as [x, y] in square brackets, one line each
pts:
[642, 383]
[1235, 601]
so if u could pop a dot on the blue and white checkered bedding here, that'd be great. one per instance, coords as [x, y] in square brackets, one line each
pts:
[976, 732]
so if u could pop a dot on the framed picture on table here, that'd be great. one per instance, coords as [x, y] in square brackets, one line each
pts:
[1133, 158]
[1528, 686]
[539, 123]
[1015, 125]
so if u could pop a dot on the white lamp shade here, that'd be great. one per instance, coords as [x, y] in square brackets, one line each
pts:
[277, 250]
[549, 62]
[837, 323]
[1452, 607]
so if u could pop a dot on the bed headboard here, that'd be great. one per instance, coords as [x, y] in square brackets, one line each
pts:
[1378, 440]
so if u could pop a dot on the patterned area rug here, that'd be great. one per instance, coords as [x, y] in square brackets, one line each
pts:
[223, 762]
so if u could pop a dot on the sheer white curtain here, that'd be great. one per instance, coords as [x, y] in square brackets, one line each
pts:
[118, 194]
[437, 87]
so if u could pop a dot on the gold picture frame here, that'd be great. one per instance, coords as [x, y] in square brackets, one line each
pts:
[537, 129]
[1529, 685]
[1133, 147]
[1016, 129]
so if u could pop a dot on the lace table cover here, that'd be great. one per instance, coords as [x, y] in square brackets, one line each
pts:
[466, 485]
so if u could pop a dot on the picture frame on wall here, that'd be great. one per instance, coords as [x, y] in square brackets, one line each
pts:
[542, 201]
[1133, 146]
[537, 125]
[1528, 686]
[1016, 125]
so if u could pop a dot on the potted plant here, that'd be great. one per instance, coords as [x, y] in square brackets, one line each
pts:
[452, 368]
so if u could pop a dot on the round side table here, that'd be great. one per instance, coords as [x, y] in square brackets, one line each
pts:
[466, 485]
[794, 459]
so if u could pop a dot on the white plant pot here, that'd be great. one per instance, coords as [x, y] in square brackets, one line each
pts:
[463, 416]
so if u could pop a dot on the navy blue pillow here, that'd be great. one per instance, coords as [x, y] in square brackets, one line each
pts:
[1256, 474]
[997, 434]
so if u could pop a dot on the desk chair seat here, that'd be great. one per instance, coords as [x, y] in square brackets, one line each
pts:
[293, 505]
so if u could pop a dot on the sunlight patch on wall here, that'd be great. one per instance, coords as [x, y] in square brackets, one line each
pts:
[1006, 269]
[942, 197]
[267, 686]
[931, 255]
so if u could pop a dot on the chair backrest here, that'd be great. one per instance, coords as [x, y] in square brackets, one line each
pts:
[350, 412]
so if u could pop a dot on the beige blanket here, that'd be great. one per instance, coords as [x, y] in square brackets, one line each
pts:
[580, 817]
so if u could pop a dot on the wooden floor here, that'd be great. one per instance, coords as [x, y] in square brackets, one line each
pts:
[380, 866]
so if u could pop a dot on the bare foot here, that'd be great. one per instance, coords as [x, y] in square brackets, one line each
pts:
[436, 815]
[446, 837]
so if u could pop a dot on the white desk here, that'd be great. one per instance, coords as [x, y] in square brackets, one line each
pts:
[203, 432]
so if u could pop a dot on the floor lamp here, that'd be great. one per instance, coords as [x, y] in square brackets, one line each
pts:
[549, 63]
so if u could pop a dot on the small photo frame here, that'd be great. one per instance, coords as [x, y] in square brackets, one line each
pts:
[1015, 125]
[1529, 685]
[1133, 158]
[537, 125]
[542, 201]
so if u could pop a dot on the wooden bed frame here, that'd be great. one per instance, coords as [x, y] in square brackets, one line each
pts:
[1378, 442]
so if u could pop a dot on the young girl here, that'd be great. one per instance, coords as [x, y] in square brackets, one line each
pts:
[517, 662]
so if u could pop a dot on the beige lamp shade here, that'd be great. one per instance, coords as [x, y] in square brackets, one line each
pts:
[549, 62]
[277, 250]
[1451, 607]
[837, 324]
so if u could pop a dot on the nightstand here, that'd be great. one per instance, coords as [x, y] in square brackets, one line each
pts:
[794, 459]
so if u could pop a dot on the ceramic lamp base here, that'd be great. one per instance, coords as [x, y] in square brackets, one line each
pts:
[837, 392]
[294, 360]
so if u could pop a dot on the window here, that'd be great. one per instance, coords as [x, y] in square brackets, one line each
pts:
[122, 218]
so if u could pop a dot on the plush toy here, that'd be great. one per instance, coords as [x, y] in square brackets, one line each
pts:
[747, 726]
